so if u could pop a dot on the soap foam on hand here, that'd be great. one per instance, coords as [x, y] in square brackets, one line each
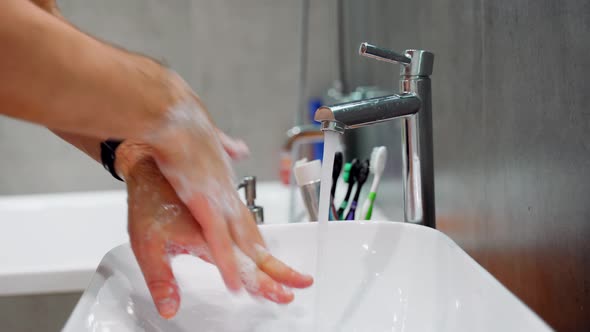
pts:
[205, 296]
[247, 269]
[188, 121]
[187, 147]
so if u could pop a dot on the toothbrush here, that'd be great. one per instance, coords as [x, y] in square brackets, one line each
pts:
[345, 177]
[361, 178]
[338, 159]
[349, 177]
[378, 160]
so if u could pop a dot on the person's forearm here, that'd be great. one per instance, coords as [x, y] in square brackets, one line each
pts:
[126, 156]
[89, 145]
[56, 76]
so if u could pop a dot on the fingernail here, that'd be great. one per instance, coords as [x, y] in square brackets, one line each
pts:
[288, 296]
[167, 307]
[234, 286]
[235, 291]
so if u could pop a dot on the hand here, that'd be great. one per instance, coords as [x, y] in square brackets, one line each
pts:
[189, 151]
[48, 5]
[186, 146]
[161, 226]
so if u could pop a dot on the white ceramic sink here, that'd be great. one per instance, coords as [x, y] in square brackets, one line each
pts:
[375, 277]
[53, 242]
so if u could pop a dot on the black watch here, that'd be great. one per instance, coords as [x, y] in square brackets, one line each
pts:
[107, 156]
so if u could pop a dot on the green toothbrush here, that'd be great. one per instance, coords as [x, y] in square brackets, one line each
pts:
[378, 160]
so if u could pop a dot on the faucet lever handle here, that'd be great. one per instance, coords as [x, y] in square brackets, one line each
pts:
[414, 62]
[372, 51]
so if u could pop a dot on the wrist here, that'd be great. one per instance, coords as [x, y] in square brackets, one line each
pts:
[155, 93]
[128, 155]
[150, 91]
[163, 90]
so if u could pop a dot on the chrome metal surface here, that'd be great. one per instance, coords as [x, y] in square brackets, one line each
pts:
[414, 62]
[422, 63]
[249, 185]
[417, 155]
[382, 54]
[333, 126]
[414, 106]
[310, 193]
[258, 213]
[369, 111]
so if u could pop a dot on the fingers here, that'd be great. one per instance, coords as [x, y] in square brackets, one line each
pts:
[271, 290]
[235, 148]
[155, 265]
[245, 232]
[248, 238]
[279, 271]
[259, 283]
[218, 239]
[188, 240]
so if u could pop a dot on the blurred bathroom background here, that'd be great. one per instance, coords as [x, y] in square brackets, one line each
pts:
[511, 118]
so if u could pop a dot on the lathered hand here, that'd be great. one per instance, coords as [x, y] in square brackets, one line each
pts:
[162, 226]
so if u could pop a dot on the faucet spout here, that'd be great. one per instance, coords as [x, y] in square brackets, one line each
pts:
[366, 112]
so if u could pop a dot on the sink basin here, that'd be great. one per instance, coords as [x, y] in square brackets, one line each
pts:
[377, 276]
[91, 222]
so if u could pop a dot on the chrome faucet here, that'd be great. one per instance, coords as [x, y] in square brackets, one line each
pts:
[413, 106]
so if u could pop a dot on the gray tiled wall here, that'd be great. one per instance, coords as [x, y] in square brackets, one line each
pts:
[241, 57]
[511, 132]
